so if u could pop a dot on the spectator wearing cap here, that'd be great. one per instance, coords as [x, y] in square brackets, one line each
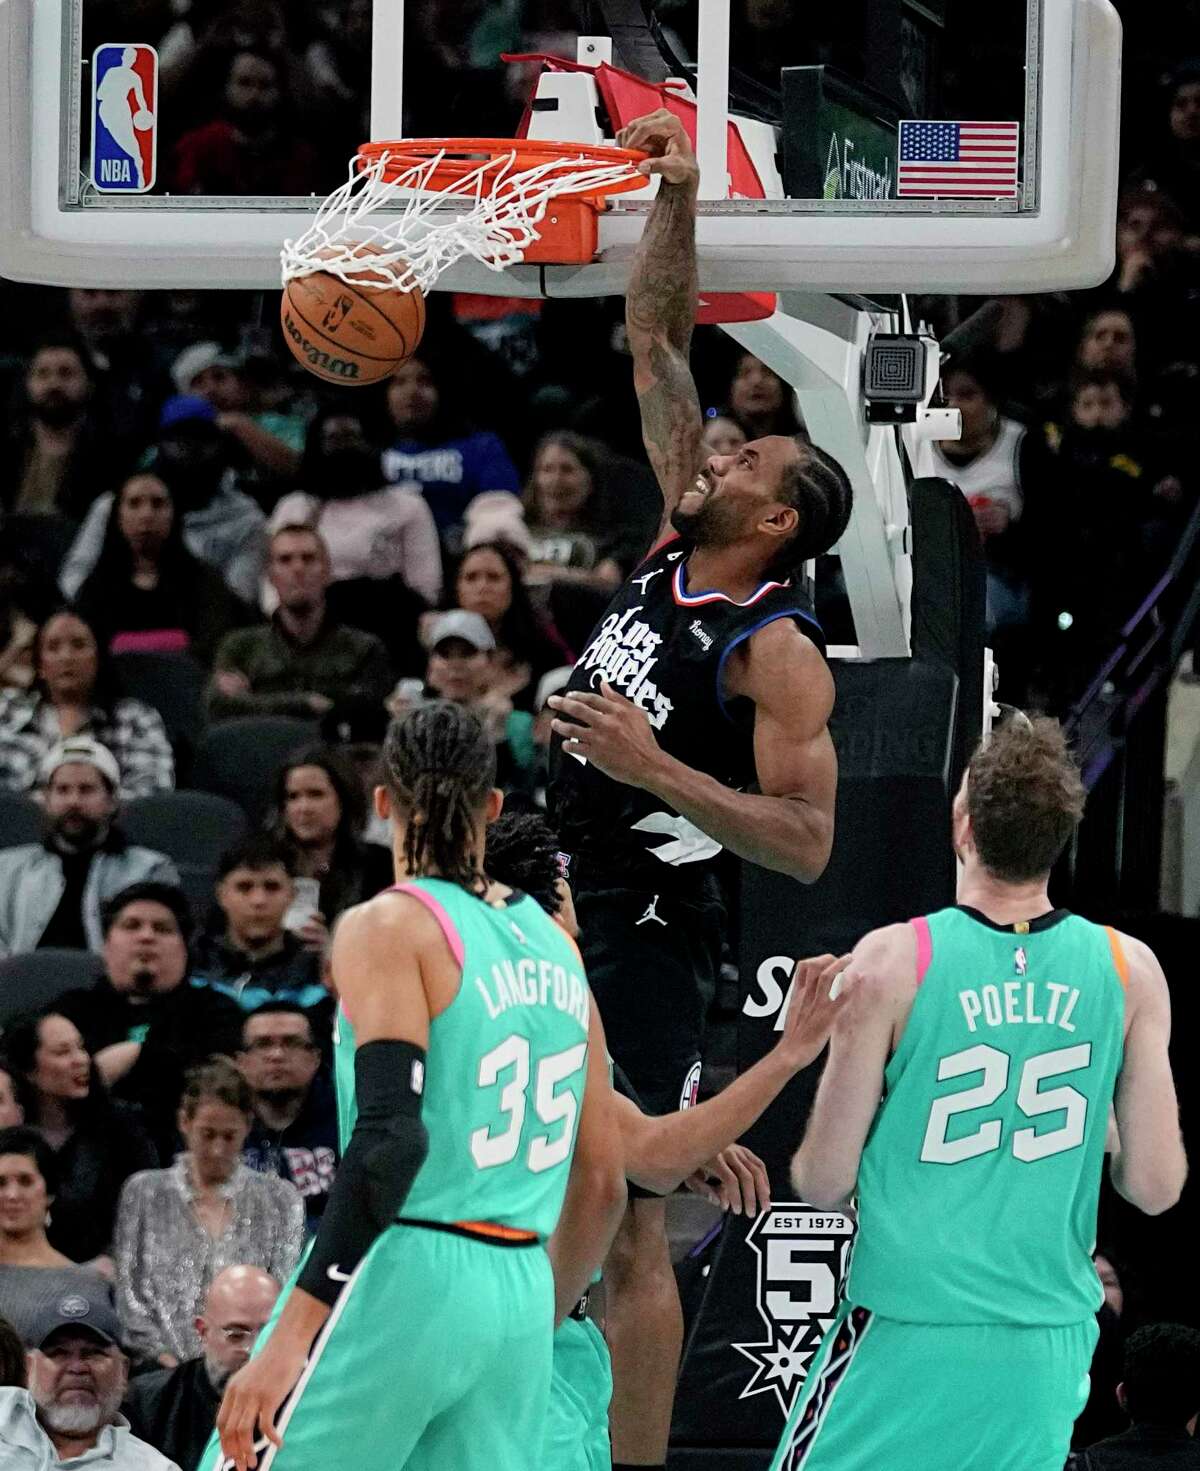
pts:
[32, 1268]
[96, 1142]
[490, 582]
[71, 1412]
[255, 958]
[58, 449]
[462, 668]
[303, 662]
[148, 593]
[271, 442]
[74, 694]
[143, 1023]
[52, 893]
[294, 1133]
[1160, 1393]
[174, 1410]
[221, 524]
[177, 1228]
[374, 531]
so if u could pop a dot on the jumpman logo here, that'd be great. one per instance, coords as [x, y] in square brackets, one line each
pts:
[642, 581]
[652, 913]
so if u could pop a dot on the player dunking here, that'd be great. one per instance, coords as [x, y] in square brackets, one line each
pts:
[470, 1065]
[705, 676]
[998, 1034]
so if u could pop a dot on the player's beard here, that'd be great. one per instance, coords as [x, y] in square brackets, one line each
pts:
[712, 524]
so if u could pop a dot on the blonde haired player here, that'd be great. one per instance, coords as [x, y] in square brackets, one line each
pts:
[972, 1070]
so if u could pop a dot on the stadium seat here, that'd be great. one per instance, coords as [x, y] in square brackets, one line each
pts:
[192, 828]
[20, 820]
[29, 982]
[239, 758]
[174, 685]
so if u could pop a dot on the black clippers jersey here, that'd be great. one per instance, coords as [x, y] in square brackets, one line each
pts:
[664, 647]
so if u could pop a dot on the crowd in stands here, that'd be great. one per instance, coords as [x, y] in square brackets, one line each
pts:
[217, 582]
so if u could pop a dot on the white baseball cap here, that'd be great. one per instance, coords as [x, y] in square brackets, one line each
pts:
[458, 623]
[85, 751]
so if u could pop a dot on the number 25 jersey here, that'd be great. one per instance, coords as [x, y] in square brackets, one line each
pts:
[980, 1180]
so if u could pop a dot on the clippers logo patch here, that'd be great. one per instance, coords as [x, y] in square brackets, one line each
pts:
[691, 1087]
[802, 1256]
[124, 118]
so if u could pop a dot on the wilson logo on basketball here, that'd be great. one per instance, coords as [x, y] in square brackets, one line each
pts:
[317, 358]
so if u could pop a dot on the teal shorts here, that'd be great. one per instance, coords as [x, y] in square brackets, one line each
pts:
[576, 1437]
[938, 1397]
[436, 1357]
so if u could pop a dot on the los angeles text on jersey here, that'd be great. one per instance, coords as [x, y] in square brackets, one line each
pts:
[1048, 1003]
[530, 982]
[624, 652]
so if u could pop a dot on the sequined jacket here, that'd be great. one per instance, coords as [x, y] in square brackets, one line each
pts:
[166, 1259]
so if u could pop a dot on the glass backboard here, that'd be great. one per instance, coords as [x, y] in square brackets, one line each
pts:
[877, 145]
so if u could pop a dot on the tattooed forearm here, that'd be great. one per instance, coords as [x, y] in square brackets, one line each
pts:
[659, 311]
[661, 300]
[671, 420]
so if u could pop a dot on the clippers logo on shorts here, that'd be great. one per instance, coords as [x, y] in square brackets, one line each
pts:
[691, 1087]
[124, 118]
[802, 1255]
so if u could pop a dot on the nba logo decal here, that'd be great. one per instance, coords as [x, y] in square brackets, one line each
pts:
[124, 118]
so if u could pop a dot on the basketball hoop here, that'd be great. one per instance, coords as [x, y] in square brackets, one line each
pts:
[515, 199]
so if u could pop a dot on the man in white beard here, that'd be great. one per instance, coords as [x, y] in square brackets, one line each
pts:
[77, 1377]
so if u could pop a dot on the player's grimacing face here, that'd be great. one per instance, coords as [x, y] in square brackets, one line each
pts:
[732, 493]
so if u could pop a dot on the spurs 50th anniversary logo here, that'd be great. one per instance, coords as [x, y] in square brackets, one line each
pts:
[802, 1257]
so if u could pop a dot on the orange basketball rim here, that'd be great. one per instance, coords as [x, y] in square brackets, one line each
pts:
[568, 232]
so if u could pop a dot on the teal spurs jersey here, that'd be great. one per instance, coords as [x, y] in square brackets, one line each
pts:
[978, 1186]
[505, 1068]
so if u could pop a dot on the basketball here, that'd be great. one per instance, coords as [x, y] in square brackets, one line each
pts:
[345, 333]
[143, 119]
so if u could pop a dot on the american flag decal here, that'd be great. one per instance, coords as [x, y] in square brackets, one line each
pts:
[957, 160]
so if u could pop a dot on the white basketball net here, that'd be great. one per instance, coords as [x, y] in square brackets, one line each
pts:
[384, 234]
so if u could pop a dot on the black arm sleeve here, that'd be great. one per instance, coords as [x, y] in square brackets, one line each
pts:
[387, 1148]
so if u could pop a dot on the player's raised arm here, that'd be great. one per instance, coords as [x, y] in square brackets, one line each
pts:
[595, 1199]
[1149, 1165]
[660, 306]
[377, 955]
[662, 1152]
[876, 987]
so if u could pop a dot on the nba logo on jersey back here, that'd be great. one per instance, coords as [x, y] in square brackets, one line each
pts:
[124, 118]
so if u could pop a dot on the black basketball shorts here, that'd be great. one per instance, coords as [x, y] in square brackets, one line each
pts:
[651, 960]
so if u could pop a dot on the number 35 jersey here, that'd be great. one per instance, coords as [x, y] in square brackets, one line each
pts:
[979, 1184]
[505, 1067]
